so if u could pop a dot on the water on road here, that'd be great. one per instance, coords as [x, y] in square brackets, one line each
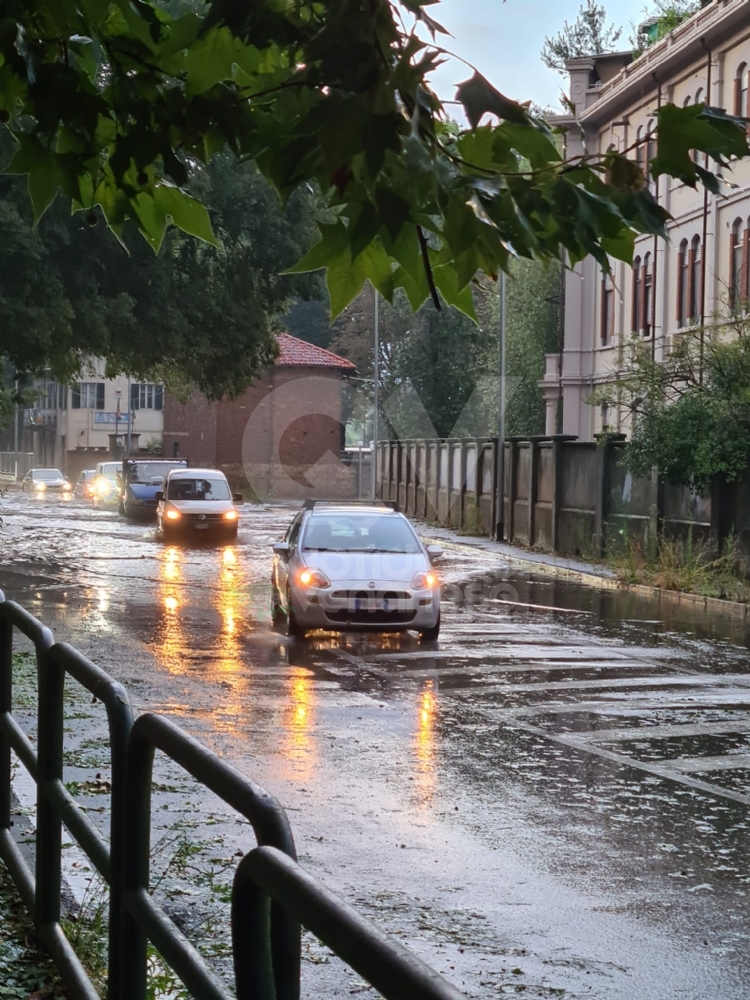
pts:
[551, 801]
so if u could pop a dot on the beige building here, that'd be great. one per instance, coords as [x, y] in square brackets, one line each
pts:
[72, 427]
[703, 268]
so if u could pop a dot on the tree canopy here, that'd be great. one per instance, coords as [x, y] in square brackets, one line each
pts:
[118, 103]
[195, 313]
[588, 35]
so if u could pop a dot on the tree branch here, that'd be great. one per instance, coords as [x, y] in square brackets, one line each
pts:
[428, 269]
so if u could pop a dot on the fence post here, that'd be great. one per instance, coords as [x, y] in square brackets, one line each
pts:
[6, 687]
[51, 684]
[510, 479]
[533, 476]
[557, 474]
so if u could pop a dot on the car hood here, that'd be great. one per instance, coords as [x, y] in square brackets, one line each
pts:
[49, 482]
[363, 567]
[144, 491]
[201, 506]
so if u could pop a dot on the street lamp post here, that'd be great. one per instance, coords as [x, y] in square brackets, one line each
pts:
[376, 399]
[500, 514]
[118, 394]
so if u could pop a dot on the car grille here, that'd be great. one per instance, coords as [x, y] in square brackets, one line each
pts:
[344, 616]
[388, 595]
[213, 518]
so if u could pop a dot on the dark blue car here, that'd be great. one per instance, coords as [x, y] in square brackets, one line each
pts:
[142, 480]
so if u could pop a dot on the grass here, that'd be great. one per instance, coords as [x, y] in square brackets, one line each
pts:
[685, 565]
[25, 971]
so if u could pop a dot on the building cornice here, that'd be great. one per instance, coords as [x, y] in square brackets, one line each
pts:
[691, 40]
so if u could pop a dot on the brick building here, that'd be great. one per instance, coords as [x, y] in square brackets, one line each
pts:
[282, 437]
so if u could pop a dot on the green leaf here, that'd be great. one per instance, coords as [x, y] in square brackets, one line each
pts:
[696, 127]
[48, 172]
[479, 98]
[462, 298]
[186, 213]
[334, 241]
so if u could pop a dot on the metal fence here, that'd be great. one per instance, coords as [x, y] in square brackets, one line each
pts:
[15, 464]
[271, 897]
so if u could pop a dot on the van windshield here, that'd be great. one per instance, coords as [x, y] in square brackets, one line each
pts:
[145, 472]
[198, 489]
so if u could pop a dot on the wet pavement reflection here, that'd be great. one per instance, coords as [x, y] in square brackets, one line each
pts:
[552, 800]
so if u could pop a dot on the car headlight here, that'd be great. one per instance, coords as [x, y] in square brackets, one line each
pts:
[313, 578]
[172, 514]
[40, 487]
[230, 515]
[103, 487]
[66, 486]
[424, 581]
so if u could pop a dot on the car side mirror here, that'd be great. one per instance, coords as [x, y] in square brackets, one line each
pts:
[435, 552]
[238, 498]
[159, 495]
[281, 548]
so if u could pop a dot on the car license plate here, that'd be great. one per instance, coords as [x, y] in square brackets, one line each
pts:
[370, 604]
[201, 526]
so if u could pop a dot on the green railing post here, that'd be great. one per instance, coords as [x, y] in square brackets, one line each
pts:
[6, 689]
[51, 684]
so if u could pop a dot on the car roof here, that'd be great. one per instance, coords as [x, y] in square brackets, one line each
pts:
[344, 508]
[45, 468]
[192, 473]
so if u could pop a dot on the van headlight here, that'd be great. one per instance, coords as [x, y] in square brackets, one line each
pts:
[424, 581]
[172, 514]
[230, 515]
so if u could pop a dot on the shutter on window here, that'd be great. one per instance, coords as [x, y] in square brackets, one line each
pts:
[637, 295]
[134, 397]
[75, 396]
[100, 395]
[743, 279]
[690, 284]
[734, 291]
[159, 397]
[738, 95]
[680, 280]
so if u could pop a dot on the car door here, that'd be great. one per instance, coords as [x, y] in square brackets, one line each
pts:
[283, 562]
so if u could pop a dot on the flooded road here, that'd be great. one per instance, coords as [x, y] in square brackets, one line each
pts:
[551, 801]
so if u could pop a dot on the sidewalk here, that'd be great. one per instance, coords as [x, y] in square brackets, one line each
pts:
[589, 574]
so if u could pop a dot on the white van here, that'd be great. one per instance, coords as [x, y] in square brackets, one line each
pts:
[197, 501]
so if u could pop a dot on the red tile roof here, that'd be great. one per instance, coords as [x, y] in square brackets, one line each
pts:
[296, 353]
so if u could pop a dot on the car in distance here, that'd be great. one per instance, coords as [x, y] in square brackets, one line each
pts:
[355, 567]
[142, 479]
[197, 503]
[107, 484]
[84, 487]
[43, 480]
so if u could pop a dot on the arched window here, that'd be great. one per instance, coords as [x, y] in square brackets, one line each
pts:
[650, 148]
[740, 91]
[736, 269]
[683, 284]
[699, 98]
[608, 309]
[696, 282]
[648, 296]
[640, 149]
[637, 299]
[687, 101]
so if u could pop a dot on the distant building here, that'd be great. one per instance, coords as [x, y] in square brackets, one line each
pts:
[703, 270]
[282, 437]
[72, 427]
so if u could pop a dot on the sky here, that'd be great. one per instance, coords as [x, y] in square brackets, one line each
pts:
[503, 40]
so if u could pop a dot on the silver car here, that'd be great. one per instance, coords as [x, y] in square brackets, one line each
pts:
[355, 567]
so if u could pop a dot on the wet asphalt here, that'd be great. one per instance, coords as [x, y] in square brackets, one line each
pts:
[551, 801]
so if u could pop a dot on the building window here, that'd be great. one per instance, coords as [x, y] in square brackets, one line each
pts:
[696, 276]
[740, 91]
[608, 309]
[640, 150]
[53, 396]
[683, 284]
[87, 396]
[147, 396]
[648, 296]
[736, 269]
[637, 304]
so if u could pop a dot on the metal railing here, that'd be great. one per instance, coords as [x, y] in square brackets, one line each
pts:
[271, 895]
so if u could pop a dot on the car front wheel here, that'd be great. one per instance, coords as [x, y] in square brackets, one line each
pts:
[293, 627]
[430, 634]
[278, 615]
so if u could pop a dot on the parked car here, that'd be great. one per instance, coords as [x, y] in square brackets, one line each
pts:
[142, 479]
[355, 567]
[197, 503]
[41, 480]
[107, 484]
[84, 487]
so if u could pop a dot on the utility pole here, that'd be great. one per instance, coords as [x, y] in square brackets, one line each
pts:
[500, 515]
[129, 404]
[376, 399]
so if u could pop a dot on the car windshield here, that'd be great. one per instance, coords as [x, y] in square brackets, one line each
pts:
[110, 469]
[359, 533]
[198, 489]
[47, 474]
[145, 472]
